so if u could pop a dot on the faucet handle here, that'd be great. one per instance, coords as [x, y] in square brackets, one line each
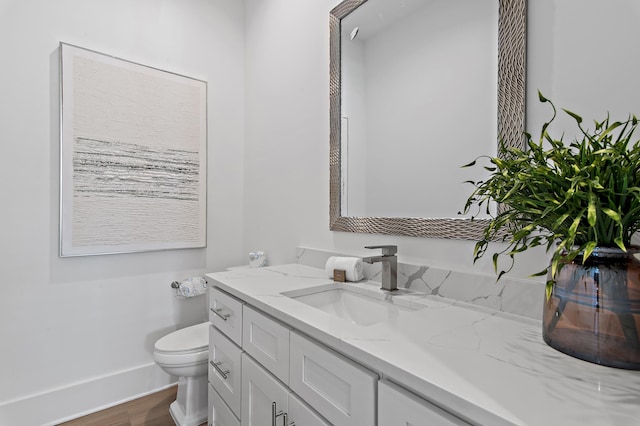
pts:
[386, 250]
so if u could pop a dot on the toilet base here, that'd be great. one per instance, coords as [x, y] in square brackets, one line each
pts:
[191, 405]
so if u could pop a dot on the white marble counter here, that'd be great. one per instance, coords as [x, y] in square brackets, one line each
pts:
[487, 367]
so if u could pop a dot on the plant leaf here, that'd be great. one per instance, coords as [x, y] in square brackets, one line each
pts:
[542, 98]
[612, 214]
[574, 115]
[588, 249]
[540, 273]
[591, 210]
[574, 226]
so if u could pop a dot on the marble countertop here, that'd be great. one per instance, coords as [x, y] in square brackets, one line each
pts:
[488, 367]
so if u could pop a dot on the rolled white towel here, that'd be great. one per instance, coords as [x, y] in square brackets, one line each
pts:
[351, 265]
[191, 287]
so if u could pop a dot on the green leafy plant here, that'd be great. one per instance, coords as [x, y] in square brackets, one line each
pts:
[570, 198]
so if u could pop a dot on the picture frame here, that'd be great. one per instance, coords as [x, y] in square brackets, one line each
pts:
[133, 156]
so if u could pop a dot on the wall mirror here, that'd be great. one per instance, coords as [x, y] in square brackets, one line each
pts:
[417, 89]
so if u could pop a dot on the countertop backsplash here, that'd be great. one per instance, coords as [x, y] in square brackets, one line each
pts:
[511, 295]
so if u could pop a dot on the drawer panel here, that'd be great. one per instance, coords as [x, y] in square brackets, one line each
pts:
[398, 407]
[267, 341]
[225, 312]
[339, 389]
[225, 369]
[220, 414]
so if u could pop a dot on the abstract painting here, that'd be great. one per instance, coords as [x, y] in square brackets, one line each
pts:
[133, 156]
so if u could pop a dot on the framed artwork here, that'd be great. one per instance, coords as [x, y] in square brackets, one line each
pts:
[133, 156]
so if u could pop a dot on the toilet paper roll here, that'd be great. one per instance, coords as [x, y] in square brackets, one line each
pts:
[351, 265]
[192, 287]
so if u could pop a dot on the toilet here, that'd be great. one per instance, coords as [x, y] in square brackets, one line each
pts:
[184, 353]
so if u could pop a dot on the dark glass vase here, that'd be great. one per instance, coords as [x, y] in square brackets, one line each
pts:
[594, 309]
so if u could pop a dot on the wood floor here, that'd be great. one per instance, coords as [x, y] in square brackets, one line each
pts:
[151, 410]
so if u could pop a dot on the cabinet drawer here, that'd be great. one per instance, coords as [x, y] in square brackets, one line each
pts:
[267, 341]
[225, 374]
[301, 414]
[339, 389]
[220, 414]
[398, 407]
[225, 312]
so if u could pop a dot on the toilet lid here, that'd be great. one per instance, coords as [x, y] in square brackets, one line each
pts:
[189, 339]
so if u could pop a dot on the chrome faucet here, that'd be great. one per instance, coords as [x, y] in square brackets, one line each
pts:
[389, 262]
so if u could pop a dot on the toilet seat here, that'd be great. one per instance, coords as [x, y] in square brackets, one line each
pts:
[184, 347]
[181, 360]
[184, 341]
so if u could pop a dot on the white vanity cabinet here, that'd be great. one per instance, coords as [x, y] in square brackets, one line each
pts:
[279, 376]
[397, 407]
[321, 369]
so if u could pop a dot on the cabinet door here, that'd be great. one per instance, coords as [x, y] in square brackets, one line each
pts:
[225, 370]
[263, 396]
[398, 407]
[219, 413]
[301, 415]
[267, 341]
[340, 390]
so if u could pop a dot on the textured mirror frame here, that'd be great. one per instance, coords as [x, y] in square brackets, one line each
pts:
[511, 117]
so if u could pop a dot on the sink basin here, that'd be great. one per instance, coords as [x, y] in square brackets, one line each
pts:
[358, 305]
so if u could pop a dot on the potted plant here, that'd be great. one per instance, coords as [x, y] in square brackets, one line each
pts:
[582, 201]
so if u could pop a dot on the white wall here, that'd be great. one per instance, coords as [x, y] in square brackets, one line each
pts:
[287, 160]
[78, 333]
[287, 140]
[582, 55]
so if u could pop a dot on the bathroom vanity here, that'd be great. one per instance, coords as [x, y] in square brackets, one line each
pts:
[289, 347]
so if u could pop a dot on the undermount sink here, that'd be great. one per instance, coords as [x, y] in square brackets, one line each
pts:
[358, 305]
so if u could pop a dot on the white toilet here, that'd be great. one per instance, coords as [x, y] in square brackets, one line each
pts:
[184, 353]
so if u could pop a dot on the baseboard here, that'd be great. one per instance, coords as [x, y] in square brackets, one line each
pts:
[78, 399]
